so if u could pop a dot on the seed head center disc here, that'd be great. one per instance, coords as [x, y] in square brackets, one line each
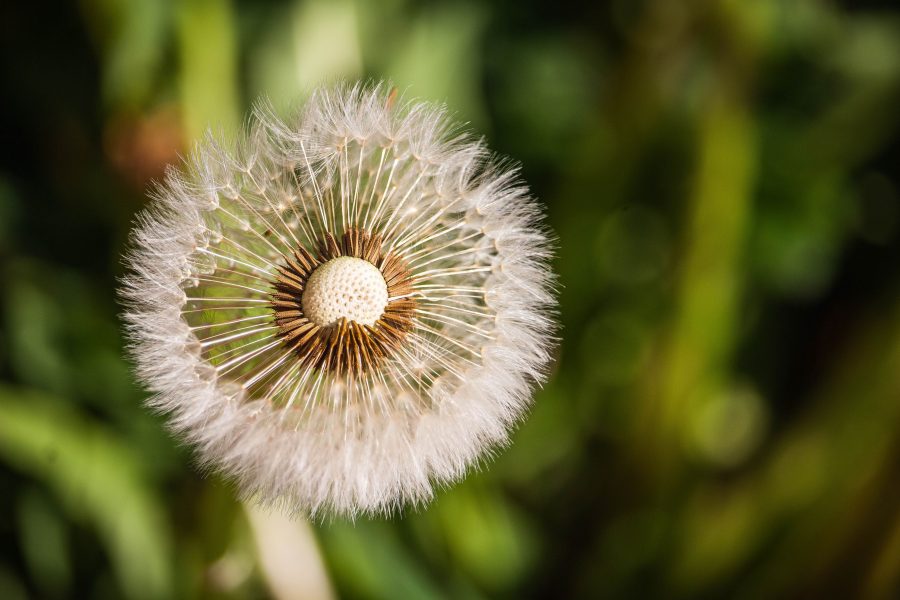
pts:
[345, 287]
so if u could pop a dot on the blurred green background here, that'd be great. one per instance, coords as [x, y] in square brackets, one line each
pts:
[724, 416]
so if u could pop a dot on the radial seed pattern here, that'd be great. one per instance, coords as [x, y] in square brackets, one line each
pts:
[347, 347]
[345, 416]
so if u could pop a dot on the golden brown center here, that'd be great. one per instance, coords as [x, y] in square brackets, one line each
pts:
[344, 346]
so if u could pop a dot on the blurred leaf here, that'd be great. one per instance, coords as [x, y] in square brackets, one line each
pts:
[10, 586]
[530, 459]
[437, 58]
[61, 339]
[35, 325]
[44, 543]
[545, 88]
[308, 43]
[133, 38]
[482, 533]
[813, 479]
[208, 51]
[368, 560]
[704, 331]
[9, 208]
[98, 478]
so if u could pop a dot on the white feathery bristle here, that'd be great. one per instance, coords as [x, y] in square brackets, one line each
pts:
[459, 252]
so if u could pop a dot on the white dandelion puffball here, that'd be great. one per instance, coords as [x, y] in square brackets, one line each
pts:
[343, 310]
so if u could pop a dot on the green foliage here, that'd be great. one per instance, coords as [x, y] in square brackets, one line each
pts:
[722, 420]
[98, 478]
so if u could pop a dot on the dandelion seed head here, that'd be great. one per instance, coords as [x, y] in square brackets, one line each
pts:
[343, 310]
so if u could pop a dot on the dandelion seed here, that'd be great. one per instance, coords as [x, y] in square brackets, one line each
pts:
[342, 311]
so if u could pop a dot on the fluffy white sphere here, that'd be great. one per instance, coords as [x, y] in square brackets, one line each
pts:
[346, 308]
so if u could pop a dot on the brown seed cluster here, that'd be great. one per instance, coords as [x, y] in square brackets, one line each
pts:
[345, 347]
